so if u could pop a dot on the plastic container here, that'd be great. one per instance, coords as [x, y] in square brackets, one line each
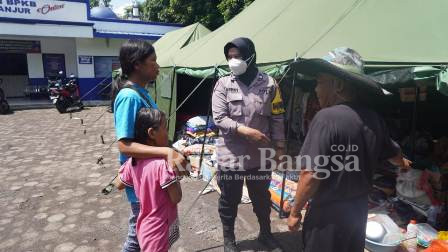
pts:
[425, 234]
[391, 239]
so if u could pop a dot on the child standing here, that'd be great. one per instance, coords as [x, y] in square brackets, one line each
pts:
[155, 185]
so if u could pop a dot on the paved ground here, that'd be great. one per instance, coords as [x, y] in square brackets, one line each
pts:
[50, 196]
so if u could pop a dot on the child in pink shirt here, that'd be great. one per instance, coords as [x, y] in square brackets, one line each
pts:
[155, 184]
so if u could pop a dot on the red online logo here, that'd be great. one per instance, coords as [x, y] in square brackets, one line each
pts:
[47, 8]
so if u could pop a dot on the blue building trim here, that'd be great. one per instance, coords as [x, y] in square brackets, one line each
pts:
[87, 84]
[133, 21]
[76, 1]
[81, 1]
[38, 81]
[40, 21]
[125, 36]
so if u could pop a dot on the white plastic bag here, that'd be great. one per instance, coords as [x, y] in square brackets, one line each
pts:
[408, 184]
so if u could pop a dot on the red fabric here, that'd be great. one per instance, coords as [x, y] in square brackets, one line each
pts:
[425, 186]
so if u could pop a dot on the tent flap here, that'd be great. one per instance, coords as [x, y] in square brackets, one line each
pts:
[442, 82]
[276, 70]
[403, 77]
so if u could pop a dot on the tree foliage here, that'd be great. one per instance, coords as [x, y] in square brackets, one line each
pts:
[230, 8]
[94, 3]
[211, 13]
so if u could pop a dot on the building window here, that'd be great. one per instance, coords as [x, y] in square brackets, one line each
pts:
[13, 64]
[53, 63]
[104, 65]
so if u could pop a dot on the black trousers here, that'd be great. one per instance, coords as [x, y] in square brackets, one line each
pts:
[336, 226]
[231, 185]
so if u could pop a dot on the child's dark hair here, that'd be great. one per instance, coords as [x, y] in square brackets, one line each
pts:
[133, 52]
[147, 118]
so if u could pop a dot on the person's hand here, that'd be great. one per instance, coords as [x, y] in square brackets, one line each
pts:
[178, 162]
[294, 220]
[405, 165]
[254, 135]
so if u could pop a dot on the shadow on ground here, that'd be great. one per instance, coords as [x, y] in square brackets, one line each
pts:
[290, 242]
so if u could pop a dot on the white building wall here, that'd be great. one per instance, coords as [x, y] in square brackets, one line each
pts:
[95, 47]
[66, 46]
[35, 65]
[50, 30]
[134, 28]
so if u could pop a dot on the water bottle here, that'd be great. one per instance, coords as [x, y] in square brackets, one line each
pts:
[411, 234]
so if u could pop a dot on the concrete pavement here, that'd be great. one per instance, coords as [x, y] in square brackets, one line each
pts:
[50, 196]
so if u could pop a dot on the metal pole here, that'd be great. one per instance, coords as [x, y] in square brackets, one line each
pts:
[155, 91]
[414, 120]
[215, 75]
[288, 134]
[171, 95]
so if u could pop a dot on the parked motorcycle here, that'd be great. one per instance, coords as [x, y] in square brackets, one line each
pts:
[64, 93]
[4, 106]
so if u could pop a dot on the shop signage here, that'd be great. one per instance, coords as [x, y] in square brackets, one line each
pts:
[19, 46]
[83, 59]
[44, 10]
[47, 8]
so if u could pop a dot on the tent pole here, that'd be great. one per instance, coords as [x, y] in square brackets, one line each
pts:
[215, 75]
[290, 116]
[171, 95]
[414, 121]
[155, 91]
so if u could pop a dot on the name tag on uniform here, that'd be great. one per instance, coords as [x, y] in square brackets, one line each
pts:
[232, 90]
[265, 91]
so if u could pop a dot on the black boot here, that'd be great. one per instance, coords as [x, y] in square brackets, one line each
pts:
[267, 239]
[229, 240]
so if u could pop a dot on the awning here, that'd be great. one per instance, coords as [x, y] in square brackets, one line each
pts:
[397, 78]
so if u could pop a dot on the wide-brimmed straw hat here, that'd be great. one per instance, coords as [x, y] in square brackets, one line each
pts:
[343, 63]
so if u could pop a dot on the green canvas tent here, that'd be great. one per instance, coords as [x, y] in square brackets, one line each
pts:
[170, 44]
[386, 33]
[166, 48]
[401, 32]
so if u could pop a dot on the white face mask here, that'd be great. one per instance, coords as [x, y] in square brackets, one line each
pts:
[237, 66]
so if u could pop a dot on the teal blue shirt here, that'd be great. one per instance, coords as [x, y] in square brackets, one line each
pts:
[127, 104]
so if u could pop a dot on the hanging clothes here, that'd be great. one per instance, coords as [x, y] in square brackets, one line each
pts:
[304, 107]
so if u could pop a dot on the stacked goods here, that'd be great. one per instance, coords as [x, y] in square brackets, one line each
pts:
[276, 190]
[197, 137]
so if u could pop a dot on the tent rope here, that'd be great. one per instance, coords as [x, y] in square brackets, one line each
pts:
[97, 85]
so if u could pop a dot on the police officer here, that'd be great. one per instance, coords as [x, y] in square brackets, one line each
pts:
[247, 108]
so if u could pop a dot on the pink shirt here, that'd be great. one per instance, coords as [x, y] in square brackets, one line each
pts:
[150, 178]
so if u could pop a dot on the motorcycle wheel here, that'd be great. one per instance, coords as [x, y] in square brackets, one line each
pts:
[4, 107]
[61, 106]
